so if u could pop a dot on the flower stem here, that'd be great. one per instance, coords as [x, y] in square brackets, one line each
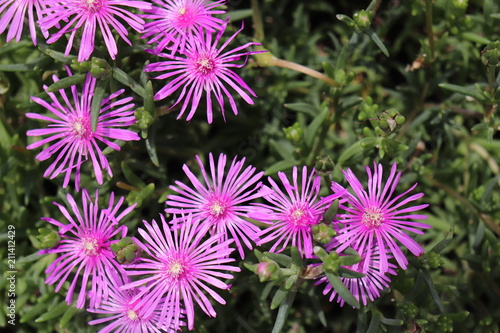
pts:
[306, 70]
[428, 21]
[258, 26]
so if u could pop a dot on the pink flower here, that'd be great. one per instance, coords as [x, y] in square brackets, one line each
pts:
[14, 13]
[89, 16]
[204, 68]
[364, 288]
[72, 131]
[125, 315]
[292, 212]
[181, 267]
[373, 221]
[173, 21]
[85, 247]
[221, 201]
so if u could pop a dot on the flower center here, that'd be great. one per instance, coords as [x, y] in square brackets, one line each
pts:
[204, 65]
[90, 246]
[185, 17]
[81, 128]
[92, 6]
[372, 217]
[218, 208]
[299, 217]
[132, 315]
[176, 268]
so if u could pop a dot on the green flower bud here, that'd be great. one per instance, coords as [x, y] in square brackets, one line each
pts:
[293, 133]
[434, 260]
[444, 324]
[460, 4]
[83, 66]
[48, 238]
[143, 118]
[362, 19]
[490, 56]
[323, 233]
[267, 271]
[126, 250]
[99, 68]
[400, 120]
[409, 310]
[324, 165]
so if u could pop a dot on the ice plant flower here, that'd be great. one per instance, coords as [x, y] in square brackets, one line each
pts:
[181, 266]
[292, 212]
[13, 13]
[375, 220]
[125, 315]
[366, 288]
[70, 131]
[204, 68]
[173, 21]
[221, 200]
[84, 249]
[89, 16]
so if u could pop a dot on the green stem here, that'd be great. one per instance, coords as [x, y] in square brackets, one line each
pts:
[324, 131]
[257, 22]
[428, 21]
[492, 82]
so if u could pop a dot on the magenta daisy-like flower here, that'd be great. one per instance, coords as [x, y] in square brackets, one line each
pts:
[85, 248]
[221, 201]
[181, 268]
[374, 220]
[292, 212]
[70, 131]
[125, 315]
[364, 288]
[174, 20]
[88, 17]
[204, 68]
[13, 13]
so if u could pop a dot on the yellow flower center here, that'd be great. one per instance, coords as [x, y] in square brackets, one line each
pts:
[92, 5]
[205, 65]
[90, 246]
[175, 268]
[132, 315]
[80, 128]
[299, 217]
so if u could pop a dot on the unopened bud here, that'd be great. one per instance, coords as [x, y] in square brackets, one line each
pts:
[490, 56]
[48, 238]
[323, 233]
[99, 68]
[267, 271]
[362, 19]
[324, 165]
[294, 133]
[126, 250]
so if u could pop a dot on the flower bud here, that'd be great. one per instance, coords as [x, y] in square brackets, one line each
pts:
[126, 250]
[48, 238]
[83, 66]
[143, 118]
[490, 56]
[362, 19]
[294, 133]
[434, 260]
[323, 233]
[267, 271]
[99, 68]
[324, 165]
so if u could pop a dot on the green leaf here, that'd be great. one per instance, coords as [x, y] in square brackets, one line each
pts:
[280, 166]
[149, 103]
[443, 243]
[329, 70]
[312, 129]
[347, 273]
[432, 288]
[378, 42]
[131, 177]
[54, 312]
[279, 296]
[331, 212]
[70, 313]
[462, 90]
[280, 258]
[342, 290]
[151, 149]
[349, 152]
[125, 79]
[374, 322]
[67, 82]
[303, 108]
[473, 37]
[59, 56]
[19, 67]
[9, 47]
[238, 15]
[283, 312]
[392, 322]
[33, 312]
[296, 257]
[290, 282]
[95, 107]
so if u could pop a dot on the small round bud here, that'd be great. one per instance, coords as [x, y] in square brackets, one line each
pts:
[99, 68]
[48, 238]
[293, 133]
[362, 19]
[434, 260]
[143, 118]
[267, 271]
[324, 165]
[490, 56]
[126, 250]
[323, 233]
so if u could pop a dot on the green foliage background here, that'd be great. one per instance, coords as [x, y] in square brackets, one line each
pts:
[449, 144]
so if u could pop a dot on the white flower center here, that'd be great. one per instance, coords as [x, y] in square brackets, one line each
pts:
[92, 6]
[372, 217]
[176, 268]
[299, 217]
[132, 315]
[205, 65]
[81, 129]
[90, 246]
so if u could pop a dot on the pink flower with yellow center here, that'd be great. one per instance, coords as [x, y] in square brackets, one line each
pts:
[204, 69]
[180, 268]
[70, 131]
[221, 199]
[13, 13]
[85, 248]
[373, 220]
[292, 213]
[88, 17]
[173, 21]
